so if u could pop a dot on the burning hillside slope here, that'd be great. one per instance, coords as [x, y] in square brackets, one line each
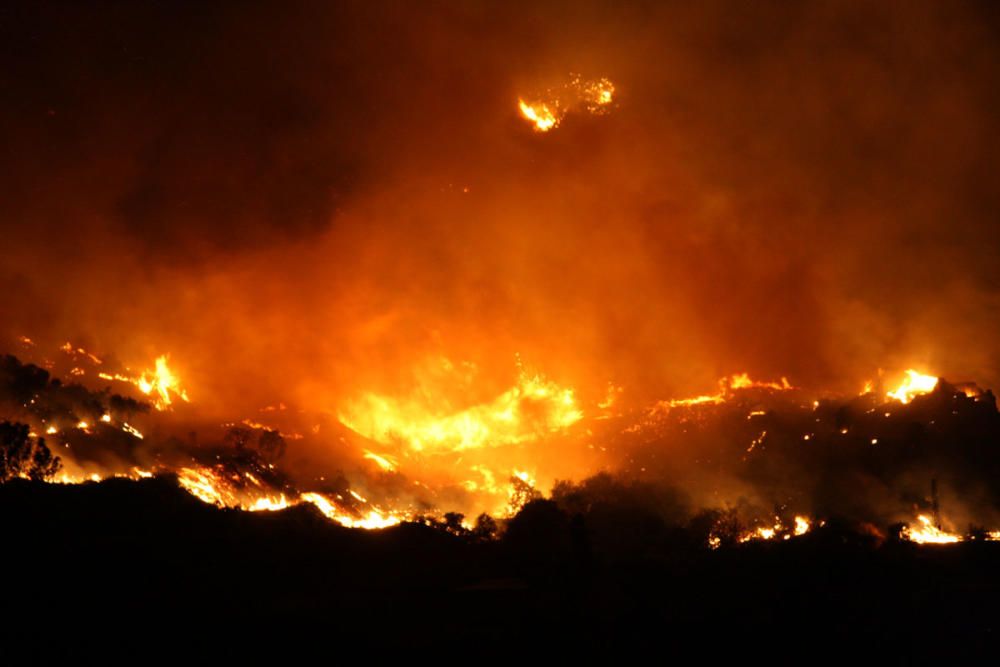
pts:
[922, 453]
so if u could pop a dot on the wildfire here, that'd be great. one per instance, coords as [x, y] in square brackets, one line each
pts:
[74, 351]
[928, 533]
[532, 408]
[160, 382]
[594, 96]
[913, 385]
[777, 529]
[727, 387]
[75, 475]
[209, 486]
[430, 423]
[373, 519]
[539, 114]
[385, 462]
[246, 492]
[163, 382]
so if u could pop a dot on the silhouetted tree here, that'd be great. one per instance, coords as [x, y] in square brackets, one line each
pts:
[267, 444]
[453, 523]
[521, 494]
[271, 445]
[539, 536]
[977, 533]
[15, 449]
[716, 524]
[19, 382]
[123, 405]
[20, 454]
[485, 529]
[43, 464]
[239, 437]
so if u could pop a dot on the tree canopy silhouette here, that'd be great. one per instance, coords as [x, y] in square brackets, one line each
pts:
[24, 456]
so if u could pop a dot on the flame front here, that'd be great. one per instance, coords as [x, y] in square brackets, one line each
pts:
[246, 492]
[532, 408]
[927, 533]
[913, 385]
[727, 386]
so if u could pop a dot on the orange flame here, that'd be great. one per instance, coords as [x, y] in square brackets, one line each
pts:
[532, 408]
[913, 385]
[928, 533]
[595, 96]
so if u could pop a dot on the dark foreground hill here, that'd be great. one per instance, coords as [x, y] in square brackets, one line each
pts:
[124, 569]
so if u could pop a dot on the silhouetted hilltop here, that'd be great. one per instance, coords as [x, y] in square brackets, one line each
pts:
[103, 565]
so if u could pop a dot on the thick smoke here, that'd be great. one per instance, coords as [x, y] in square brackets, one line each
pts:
[306, 202]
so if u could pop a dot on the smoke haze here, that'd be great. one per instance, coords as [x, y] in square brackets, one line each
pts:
[307, 201]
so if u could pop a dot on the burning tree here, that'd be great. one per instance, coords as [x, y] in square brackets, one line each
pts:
[24, 456]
